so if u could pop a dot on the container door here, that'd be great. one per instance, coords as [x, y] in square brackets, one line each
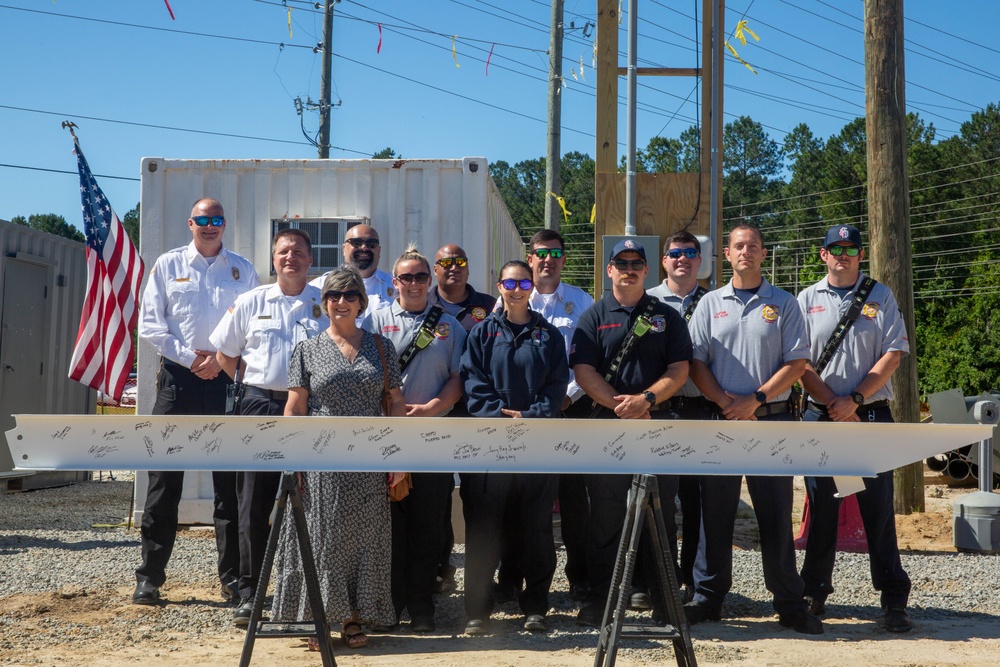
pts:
[23, 319]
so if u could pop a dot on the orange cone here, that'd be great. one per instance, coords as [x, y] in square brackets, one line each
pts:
[850, 529]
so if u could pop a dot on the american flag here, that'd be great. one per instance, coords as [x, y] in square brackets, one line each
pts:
[104, 352]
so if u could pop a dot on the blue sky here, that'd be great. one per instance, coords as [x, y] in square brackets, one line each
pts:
[411, 96]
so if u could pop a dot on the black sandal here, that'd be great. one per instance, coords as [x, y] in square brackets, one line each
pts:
[356, 639]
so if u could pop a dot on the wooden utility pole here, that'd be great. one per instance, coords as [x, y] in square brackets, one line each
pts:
[889, 209]
[324, 84]
[552, 145]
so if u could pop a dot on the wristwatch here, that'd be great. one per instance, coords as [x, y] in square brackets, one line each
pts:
[858, 397]
[651, 397]
[760, 396]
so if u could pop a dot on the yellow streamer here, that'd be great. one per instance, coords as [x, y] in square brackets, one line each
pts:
[737, 56]
[562, 205]
[593, 214]
[454, 52]
[289, 23]
[741, 27]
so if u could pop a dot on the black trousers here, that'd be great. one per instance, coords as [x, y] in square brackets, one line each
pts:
[256, 492]
[878, 515]
[772, 504]
[484, 499]
[181, 392]
[689, 495]
[418, 537]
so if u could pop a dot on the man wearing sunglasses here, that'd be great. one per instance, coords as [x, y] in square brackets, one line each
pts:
[455, 296]
[263, 327]
[750, 346]
[362, 250]
[188, 292]
[649, 343]
[853, 387]
[680, 290]
[561, 305]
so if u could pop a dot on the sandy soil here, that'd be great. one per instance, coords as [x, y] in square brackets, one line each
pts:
[751, 642]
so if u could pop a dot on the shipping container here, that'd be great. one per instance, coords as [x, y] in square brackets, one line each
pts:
[43, 281]
[430, 202]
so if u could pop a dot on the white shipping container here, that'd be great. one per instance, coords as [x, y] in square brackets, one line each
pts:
[431, 202]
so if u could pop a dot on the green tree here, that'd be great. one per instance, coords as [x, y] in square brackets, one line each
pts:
[751, 166]
[51, 223]
[386, 154]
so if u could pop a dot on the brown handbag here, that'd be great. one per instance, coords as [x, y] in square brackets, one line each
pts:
[402, 488]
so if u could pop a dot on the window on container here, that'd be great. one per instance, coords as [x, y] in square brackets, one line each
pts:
[327, 235]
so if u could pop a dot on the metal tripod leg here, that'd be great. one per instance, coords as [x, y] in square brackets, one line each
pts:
[318, 627]
[644, 503]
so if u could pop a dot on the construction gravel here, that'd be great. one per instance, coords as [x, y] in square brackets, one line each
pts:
[72, 541]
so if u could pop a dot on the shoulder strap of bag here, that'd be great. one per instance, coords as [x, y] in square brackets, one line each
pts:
[422, 337]
[385, 365]
[840, 331]
[689, 311]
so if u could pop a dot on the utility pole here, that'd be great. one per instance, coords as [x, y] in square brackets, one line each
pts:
[324, 84]
[552, 144]
[889, 210]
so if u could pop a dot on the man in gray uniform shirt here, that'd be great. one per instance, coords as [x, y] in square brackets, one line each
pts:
[853, 387]
[682, 261]
[750, 346]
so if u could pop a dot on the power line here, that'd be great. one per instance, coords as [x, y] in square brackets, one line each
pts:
[64, 171]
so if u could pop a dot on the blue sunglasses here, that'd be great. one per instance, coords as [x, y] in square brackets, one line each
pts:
[203, 220]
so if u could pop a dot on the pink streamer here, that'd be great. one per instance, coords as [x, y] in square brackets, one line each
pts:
[167, 3]
[490, 57]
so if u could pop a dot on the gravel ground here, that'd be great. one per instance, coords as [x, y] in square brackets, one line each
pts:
[68, 547]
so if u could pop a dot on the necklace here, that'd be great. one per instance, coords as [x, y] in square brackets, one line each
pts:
[347, 346]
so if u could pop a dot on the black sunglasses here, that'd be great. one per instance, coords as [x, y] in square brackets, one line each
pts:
[446, 262]
[677, 253]
[849, 250]
[542, 253]
[419, 278]
[626, 264]
[204, 220]
[371, 244]
[350, 296]
[510, 283]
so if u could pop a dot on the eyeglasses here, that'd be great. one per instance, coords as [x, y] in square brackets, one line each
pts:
[626, 264]
[677, 253]
[419, 278]
[543, 253]
[510, 284]
[204, 220]
[371, 244]
[350, 296]
[446, 262]
[849, 250]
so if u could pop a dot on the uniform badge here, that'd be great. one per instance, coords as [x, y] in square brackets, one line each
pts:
[540, 336]
[316, 310]
[478, 314]
[870, 310]
[659, 324]
[569, 308]
[442, 331]
[769, 313]
[236, 273]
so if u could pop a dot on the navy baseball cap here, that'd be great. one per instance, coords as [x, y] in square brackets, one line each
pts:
[843, 233]
[627, 244]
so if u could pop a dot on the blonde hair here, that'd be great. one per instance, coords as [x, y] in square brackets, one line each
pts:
[411, 253]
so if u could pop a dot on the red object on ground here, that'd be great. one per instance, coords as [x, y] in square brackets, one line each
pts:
[850, 530]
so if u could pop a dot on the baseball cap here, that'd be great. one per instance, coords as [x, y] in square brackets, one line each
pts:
[627, 244]
[843, 233]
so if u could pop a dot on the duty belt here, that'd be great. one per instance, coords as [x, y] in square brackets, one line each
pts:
[269, 394]
[766, 410]
[874, 405]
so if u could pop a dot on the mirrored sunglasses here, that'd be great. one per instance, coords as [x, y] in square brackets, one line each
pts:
[446, 262]
[510, 284]
[849, 250]
[677, 253]
[204, 220]
[350, 296]
[419, 278]
[542, 253]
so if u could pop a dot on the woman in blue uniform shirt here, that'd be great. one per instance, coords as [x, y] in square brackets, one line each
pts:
[514, 365]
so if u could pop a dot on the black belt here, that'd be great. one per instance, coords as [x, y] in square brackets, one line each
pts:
[766, 410]
[269, 394]
[874, 405]
[686, 402]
